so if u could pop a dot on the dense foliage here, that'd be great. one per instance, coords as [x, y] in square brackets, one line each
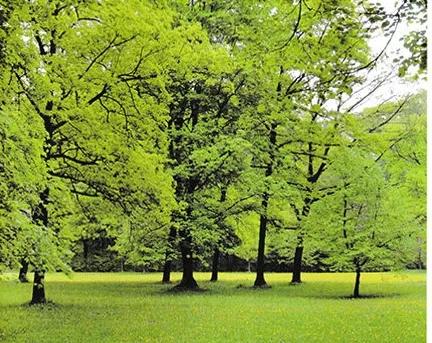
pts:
[179, 131]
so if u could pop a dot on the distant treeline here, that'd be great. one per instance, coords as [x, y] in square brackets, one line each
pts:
[95, 255]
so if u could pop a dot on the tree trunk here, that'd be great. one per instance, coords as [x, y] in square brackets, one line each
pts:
[249, 266]
[40, 216]
[187, 281]
[215, 265]
[38, 296]
[356, 293]
[296, 276]
[22, 276]
[166, 277]
[260, 281]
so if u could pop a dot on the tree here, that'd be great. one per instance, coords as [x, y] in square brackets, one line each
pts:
[201, 150]
[221, 216]
[370, 223]
[95, 88]
[300, 130]
[406, 162]
[375, 218]
[173, 124]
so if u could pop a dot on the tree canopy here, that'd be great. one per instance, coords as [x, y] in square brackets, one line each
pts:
[184, 130]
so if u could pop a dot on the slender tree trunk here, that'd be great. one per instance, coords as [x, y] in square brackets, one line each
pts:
[298, 255]
[249, 266]
[40, 216]
[22, 276]
[215, 265]
[187, 281]
[38, 296]
[356, 293]
[166, 277]
[260, 281]
[296, 276]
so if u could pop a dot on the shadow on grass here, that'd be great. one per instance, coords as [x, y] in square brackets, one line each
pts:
[48, 306]
[253, 288]
[142, 290]
[351, 297]
[183, 290]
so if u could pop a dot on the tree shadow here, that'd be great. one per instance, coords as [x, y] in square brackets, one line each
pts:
[183, 290]
[351, 297]
[292, 284]
[49, 305]
[134, 291]
[253, 288]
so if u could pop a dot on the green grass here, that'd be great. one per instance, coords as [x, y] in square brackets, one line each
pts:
[133, 307]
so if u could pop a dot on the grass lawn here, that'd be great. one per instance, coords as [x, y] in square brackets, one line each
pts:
[133, 307]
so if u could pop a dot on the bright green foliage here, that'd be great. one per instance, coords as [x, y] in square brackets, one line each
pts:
[300, 72]
[406, 165]
[22, 175]
[368, 224]
[411, 15]
[246, 227]
[131, 119]
[414, 12]
[377, 216]
[96, 94]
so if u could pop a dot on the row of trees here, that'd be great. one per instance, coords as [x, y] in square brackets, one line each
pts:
[183, 129]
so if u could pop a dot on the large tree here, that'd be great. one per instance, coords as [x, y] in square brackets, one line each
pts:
[96, 89]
